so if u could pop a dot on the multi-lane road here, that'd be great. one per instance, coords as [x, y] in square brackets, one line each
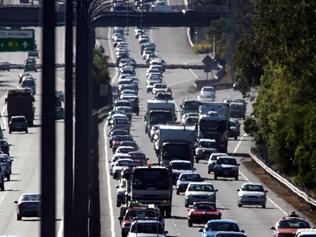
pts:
[25, 149]
[173, 47]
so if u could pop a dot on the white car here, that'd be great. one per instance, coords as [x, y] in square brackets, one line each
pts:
[121, 190]
[119, 165]
[204, 148]
[200, 192]
[159, 87]
[146, 228]
[211, 161]
[205, 98]
[179, 166]
[186, 178]
[252, 194]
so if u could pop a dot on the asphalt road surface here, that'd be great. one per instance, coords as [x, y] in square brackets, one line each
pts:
[173, 47]
[25, 149]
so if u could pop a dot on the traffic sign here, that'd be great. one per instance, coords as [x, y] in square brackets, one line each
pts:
[209, 63]
[17, 40]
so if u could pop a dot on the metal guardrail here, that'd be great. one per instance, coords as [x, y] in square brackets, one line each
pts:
[284, 181]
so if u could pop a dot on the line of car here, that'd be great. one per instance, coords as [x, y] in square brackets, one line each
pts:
[200, 196]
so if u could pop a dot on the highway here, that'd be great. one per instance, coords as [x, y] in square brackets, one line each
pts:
[173, 47]
[25, 150]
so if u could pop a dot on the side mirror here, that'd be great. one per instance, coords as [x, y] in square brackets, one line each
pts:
[147, 158]
[200, 230]
[238, 164]
[265, 191]
[145, 118]
[194, 168]
[272, 228]
[16, 202]
[120, 218]
[216, 190]
[243, 231]
[238, 190]
[166, 232]
[117, 186]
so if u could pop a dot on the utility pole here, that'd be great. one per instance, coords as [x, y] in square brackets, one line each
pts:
[48, 132]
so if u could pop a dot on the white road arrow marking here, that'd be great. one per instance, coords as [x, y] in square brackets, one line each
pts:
[25, 44]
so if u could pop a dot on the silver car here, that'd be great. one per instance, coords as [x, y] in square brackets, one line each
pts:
[28, 205]
[252, 194]
[198, 192]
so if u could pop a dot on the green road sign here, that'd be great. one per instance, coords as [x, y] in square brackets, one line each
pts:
[16, 40]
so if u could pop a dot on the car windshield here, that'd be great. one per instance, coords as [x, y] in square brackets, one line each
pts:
[222, 226]
[27, 83]
[124, 149]
[204, 206]
[201, 187]
[253, 187]
[119, 132]
[124, 162]
[207, 144]
[151, 179]
[18, 120]
[191, 105]
[181, 166]
[226, 161]
[150, 228]
[190, 177]
[31, 197]
[293, 223]
[206, 125]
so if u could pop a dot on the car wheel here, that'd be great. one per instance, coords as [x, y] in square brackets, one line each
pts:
[118, 204]
[236, 178]
[215, 176]
[235, 137]
[178, 192]
[197, 160]
[168, 212]
[8, 177]
[114, 176]
[18, 217]
[264, 206]
[26, 131]
[208, 171]
[189, 223]
[10, 131]
[239, 205]
[186, 205]
[2, 186]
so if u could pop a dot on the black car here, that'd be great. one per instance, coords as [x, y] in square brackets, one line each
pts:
[18, 123]
[5, 146]
[234, 128]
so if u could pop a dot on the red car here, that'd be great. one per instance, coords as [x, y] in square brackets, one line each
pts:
[288, 225]
[202, 212]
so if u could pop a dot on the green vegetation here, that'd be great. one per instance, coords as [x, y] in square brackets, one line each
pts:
[100, 76]
[203, 47]
[278, 52]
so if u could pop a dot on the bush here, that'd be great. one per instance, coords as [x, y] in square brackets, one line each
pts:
[250, 126]
[201, 48]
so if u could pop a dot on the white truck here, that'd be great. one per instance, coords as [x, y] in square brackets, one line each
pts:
[159, 112]
[175, 142]
[213, 123]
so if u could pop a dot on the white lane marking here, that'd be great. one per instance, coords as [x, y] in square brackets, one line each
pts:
[178, 112]
[194, 74]
[248, 180]
[4, 122]
[61, 229]
[108, 179]
[112, 57]
[238, 144]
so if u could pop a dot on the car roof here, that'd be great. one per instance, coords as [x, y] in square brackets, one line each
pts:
[223, 220]
[199, 183]
[206, 140]
[180, 161]
[248, 183]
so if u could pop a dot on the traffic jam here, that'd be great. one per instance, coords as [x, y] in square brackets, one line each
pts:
[144, 188]
[20, 108]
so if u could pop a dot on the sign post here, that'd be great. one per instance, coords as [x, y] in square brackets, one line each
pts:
[17, 40]
[209, 64]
